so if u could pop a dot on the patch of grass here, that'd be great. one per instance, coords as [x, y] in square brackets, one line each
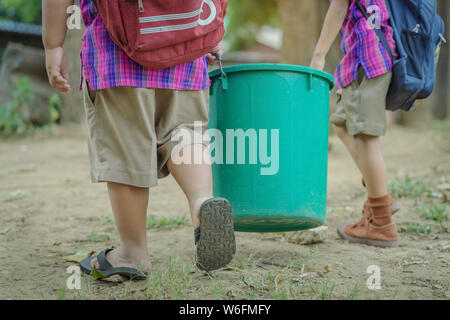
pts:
[218, 291]
[353, 294]
[108, 220]
[94, 237]
[326, 290]
[408, 187]
[435, 212]
[110, 229]
[165, 223]
[416, 228]
[299, 264]
[99, 237]
[170, 281]
[322, 291]
[62, 291]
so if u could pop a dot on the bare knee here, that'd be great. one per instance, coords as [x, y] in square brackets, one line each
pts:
[363, 140]
[366, 138]
[341, 132]
[114, 186]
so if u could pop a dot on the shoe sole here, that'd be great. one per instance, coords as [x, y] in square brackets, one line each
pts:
[376, 243]
[128, 273]
[217, 243]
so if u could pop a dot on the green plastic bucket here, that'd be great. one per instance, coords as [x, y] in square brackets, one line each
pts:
[259, 111]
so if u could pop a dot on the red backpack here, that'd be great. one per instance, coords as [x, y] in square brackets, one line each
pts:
[160, 34]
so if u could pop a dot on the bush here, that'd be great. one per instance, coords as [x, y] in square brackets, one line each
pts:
[15, 115]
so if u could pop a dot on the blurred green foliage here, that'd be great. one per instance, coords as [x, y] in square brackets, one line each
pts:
[15, 117]
[27, 11]
[245, 17]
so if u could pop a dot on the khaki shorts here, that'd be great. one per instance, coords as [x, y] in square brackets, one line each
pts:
[361, 106]
[130, 131]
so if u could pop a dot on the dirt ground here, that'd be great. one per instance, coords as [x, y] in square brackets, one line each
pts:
[49, 209]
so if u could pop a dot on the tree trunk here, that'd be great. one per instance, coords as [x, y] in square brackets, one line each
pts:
[441, 105]
[300, 21]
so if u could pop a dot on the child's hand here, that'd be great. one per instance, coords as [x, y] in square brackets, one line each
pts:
[57, 72]
[211, 58]
[318, 62]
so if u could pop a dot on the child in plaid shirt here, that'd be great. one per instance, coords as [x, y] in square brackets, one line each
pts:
[132, 114]
[363, 78]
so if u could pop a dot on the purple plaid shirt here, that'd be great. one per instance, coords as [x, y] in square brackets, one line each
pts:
[361, 45]
[105, 65]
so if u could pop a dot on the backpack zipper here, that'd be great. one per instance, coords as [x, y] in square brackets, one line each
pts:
[141, 6]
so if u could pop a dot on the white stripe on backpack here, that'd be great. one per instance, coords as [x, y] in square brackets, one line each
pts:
[180, 16]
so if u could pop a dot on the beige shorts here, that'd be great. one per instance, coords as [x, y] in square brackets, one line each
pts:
[361, 106]
[130, 131]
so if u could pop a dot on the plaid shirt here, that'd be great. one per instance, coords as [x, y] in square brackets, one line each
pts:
[361, 45]
[105, 65]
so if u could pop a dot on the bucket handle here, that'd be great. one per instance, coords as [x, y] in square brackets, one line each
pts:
[224, 77]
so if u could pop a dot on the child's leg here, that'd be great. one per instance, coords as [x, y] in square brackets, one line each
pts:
[349, 142]
[371, 164]
[363, 114]
[129, 205]
[195, 180]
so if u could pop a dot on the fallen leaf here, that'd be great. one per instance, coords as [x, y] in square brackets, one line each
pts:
[96, 274]
[77, 257]
[5, 231]
[26, 169]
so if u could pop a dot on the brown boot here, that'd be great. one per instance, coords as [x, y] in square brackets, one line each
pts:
[375, 228]
[394, 207]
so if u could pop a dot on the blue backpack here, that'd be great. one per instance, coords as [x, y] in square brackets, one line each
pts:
[419, 34]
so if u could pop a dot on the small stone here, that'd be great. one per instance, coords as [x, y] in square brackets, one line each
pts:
[429, 247]
[444, 187]
[445, 246]
[310, 236]
[349, 210]
[437, 195]
[230, 295]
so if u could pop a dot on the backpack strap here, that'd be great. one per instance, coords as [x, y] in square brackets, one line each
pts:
[379, 33]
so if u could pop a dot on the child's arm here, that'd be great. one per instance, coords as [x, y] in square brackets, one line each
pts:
[333, 22]
[54, 17]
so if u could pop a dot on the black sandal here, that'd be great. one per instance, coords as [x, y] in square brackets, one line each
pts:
[107, 270]
[215, 239]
